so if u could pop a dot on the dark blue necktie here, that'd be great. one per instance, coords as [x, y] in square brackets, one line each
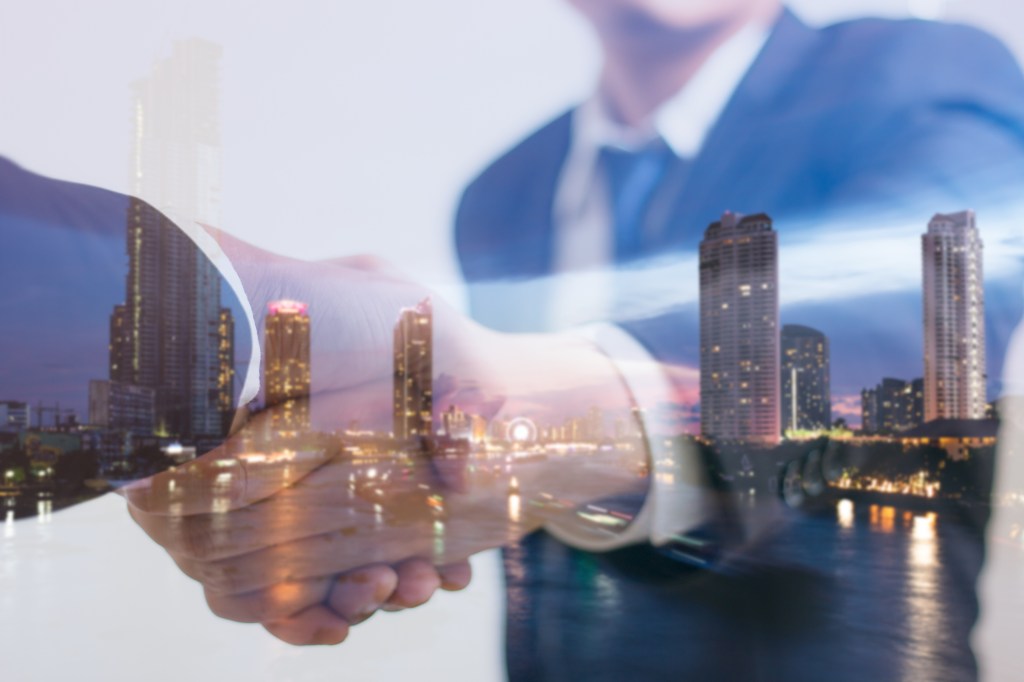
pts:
[633, 178]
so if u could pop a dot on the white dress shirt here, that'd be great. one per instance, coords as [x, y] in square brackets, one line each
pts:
[586, 278]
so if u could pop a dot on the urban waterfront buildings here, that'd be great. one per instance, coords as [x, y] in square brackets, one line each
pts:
[166, 335]
[955, 371]
[413, 365]
[806, 398]
[739, 334]
[286, 365]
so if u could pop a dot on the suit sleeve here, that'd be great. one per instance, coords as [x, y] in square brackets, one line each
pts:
[117, 358]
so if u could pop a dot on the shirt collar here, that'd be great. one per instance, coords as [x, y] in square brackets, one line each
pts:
[685, 120]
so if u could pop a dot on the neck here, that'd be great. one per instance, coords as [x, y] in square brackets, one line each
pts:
[646, 64]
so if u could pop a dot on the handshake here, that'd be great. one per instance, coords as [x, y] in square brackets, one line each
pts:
[308, 529]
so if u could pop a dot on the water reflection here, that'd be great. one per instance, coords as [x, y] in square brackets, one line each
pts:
[845, 514]
[925, 604]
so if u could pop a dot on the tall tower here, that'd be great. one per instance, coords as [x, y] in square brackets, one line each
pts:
[954, 319]
[414, 351]
[286, 372]
[226, 362]
[806, 398]
[165, 336]
[739, 331]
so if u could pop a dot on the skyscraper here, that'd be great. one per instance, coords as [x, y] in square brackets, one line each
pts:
[165, 335]
[286, 368]
[414, 350]
[954, 319]
[122, 407]
[806, 398]
[226, 362]
[739, 333]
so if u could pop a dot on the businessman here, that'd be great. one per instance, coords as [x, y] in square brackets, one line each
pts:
[841, 135]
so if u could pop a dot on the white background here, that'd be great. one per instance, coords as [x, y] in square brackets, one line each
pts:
[347, 127]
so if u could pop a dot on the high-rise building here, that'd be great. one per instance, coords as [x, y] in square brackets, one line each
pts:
[739, 332]
[226, 362]
[414, 367]
[122, 407]
[286, 368]
[893, 406]
[806, 397]
[954, 319]
[165, 336]
[869, 410]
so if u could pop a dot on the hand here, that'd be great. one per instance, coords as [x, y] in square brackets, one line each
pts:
[271, 514]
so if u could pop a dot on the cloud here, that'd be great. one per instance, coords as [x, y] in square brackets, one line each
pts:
[847, 407]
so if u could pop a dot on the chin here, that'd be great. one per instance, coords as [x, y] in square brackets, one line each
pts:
[672, 14]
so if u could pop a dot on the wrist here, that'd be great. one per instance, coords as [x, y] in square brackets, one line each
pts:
[567, 427]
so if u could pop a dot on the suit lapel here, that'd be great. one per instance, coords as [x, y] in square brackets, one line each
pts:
[708, 187]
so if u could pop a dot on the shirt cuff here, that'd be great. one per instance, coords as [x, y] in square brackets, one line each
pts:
[677, 499]
[206, 243]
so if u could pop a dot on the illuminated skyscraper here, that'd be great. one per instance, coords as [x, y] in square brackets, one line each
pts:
[286, 371]
[806, 398]
[226, 362]
[414, 366]
[954, 319]
[165, 336]
[739, 332]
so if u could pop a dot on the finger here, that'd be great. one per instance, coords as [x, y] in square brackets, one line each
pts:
[330, 499]
[418, 579]
[455, 577]
[316, 625]
[330, 553]
[279, 602]
[356, 595]
[334, 498]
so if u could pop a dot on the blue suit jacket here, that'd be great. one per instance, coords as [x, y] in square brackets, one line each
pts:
[849, 121]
